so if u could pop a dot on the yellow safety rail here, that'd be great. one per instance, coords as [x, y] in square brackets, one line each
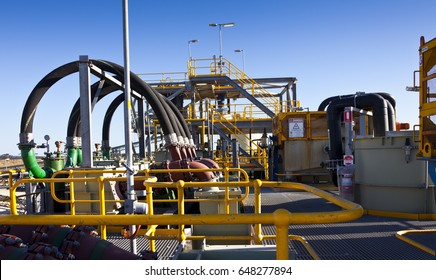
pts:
[352, 211]
[427, 99]
[280, 218]
[258, 153]
[401, 235]
[239, 111]
[225, 67]
[165, 77]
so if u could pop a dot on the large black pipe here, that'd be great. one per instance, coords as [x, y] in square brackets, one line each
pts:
[391, 103]
[388, 97]
[327, 101]
[366, 101]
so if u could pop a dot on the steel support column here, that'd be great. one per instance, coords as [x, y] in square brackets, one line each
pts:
[85, 111]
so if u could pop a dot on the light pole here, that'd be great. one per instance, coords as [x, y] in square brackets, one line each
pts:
[189, 47]
[243, 59]
[6, 163]
[220, 26]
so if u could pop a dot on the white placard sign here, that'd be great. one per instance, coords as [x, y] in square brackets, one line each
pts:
[296, 128]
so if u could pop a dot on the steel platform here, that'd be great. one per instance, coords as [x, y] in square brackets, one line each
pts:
[368, 238]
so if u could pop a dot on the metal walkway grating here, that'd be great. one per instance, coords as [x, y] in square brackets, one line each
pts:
[368, 238]
[165, 248]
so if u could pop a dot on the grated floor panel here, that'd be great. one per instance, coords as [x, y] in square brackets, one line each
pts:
[165, 248]
[368, 238]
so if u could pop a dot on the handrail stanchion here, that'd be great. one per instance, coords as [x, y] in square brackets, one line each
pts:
[257, 184]
[181, 207]
[226, 190]
[72, 195]
[151, 229]
[12, 195]
[281, 221]
[102, 205]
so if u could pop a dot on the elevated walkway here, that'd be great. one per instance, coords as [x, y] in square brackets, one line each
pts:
[219, 101]
[367, 238]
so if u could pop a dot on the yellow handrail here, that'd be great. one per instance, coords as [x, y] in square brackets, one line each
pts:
[239, 135]
[229, 69]
[401, 235]
[280, 218]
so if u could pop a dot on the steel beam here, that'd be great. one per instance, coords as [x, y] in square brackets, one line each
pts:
[85, 111]
[111, 79]
[224, 80]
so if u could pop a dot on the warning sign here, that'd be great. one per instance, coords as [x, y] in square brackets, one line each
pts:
[348, 159]
[296, 128]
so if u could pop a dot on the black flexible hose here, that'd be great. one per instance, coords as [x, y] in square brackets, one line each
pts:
[73, 128]
[144, 89]
[108, 116]
[40, 89]
[180, 118]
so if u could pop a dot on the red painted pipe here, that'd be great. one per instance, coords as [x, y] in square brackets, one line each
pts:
[175, 152]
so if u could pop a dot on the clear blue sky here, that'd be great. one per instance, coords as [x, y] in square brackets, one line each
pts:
[331, 47]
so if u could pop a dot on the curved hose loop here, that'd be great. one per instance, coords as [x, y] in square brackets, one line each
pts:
[73, 128]
[108, 117]
[377, 103]
[167, 117]
[40, 89]
[74, 120]
[26, 127]
[145, 90]
[50, 79]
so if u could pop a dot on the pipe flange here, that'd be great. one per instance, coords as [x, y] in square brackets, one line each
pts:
[26, 140]
[74, 142]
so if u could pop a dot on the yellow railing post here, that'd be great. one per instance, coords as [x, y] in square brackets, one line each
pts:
[12, 195]
[149, 198]
[281, 221]
[100, 181]
[257, 184]
[72, 197]
[181, 207]
[226, 190]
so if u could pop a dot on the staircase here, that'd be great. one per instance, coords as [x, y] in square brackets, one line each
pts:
[250, 85]
[254, 156]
